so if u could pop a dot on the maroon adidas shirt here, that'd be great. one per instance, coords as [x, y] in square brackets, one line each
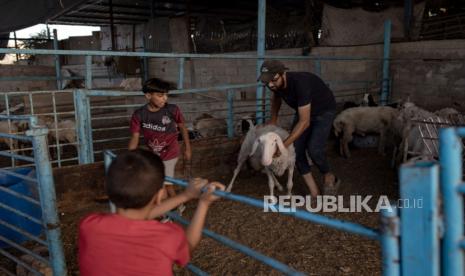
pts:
[160, 129]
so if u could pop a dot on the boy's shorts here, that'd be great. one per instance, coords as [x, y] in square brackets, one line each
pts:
[170, 165]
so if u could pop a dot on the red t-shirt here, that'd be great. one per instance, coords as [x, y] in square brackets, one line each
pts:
[160, 129]
[110, 244]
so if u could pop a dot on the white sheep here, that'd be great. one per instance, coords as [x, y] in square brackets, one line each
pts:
[66, 132]
[446, 112]
[209, 126]
[70, 83]
[9, 129]
[368, 100]
[259, 147]
[244, 123]
[362, 120]
[131, 84]
[412, 124]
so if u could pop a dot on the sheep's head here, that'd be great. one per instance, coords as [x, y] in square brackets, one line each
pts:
[337, 126]
[270, 143]
[366, 100]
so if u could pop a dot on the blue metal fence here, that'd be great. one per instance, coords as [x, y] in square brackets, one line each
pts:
[419, 193]
[261, 105]
[387, 235]
[45, 105]
[42, 182]
[453, 188]
[432, 229]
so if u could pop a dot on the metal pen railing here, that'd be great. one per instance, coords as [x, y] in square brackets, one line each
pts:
[43, 183]
[387, 235]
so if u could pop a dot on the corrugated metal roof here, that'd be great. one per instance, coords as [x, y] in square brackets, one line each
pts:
[100, 12]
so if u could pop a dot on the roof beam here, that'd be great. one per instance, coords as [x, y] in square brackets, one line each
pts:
[103, 18]
[115, 13]
[100, 21]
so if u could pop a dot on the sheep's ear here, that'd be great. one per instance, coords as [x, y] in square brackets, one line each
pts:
[254, 147]
[281, 146]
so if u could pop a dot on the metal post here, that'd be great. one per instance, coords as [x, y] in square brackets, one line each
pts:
[267, 104]
[145, 61]
[230, 113]
[261, 54]
[83, 123]
[55, 126]
[181, 73]
[16, 45]
[419, 193]
[57, 60]
[390, 241]
[450, 156]
[408, 13]
[10, 141]
[48, 31]
[48, 199]
[318, 67]
[386, 54]
[88, 72]
[108, 157]
[112, 26]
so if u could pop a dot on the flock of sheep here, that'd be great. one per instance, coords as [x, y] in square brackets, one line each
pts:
[410, 129]
[403, 126]
[64, 131]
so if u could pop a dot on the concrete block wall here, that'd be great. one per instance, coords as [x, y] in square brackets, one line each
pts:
[213, 72]
[431, 73]
[7, 70]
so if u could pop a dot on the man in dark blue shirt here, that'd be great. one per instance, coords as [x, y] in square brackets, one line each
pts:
[315, 108]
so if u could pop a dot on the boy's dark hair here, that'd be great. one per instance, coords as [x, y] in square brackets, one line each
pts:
[133, 178]
[157, 85]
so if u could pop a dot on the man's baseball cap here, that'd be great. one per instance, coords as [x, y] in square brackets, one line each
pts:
[269, 69]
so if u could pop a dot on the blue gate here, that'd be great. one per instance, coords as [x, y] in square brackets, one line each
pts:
[432, 232]
[24, 216]
[453, 188]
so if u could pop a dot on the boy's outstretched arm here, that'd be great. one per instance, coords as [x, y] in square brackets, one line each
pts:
[194, 231]
[134, 141]
[192, 191]
[185, 138]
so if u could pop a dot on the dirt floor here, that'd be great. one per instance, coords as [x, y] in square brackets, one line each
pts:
[307, 247]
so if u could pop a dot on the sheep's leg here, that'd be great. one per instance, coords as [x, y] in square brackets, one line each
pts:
[13, 145]
[405, 151]
[382, 141]
[341, 146]
[403, 148]
[345, 143]
[236, 172]
[271, 185]
[60, 148]
[347, 138]
[276, 182]
[290, 174]
[394, 155]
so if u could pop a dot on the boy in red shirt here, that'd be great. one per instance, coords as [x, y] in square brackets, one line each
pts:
[131, 242]
[159, 121]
